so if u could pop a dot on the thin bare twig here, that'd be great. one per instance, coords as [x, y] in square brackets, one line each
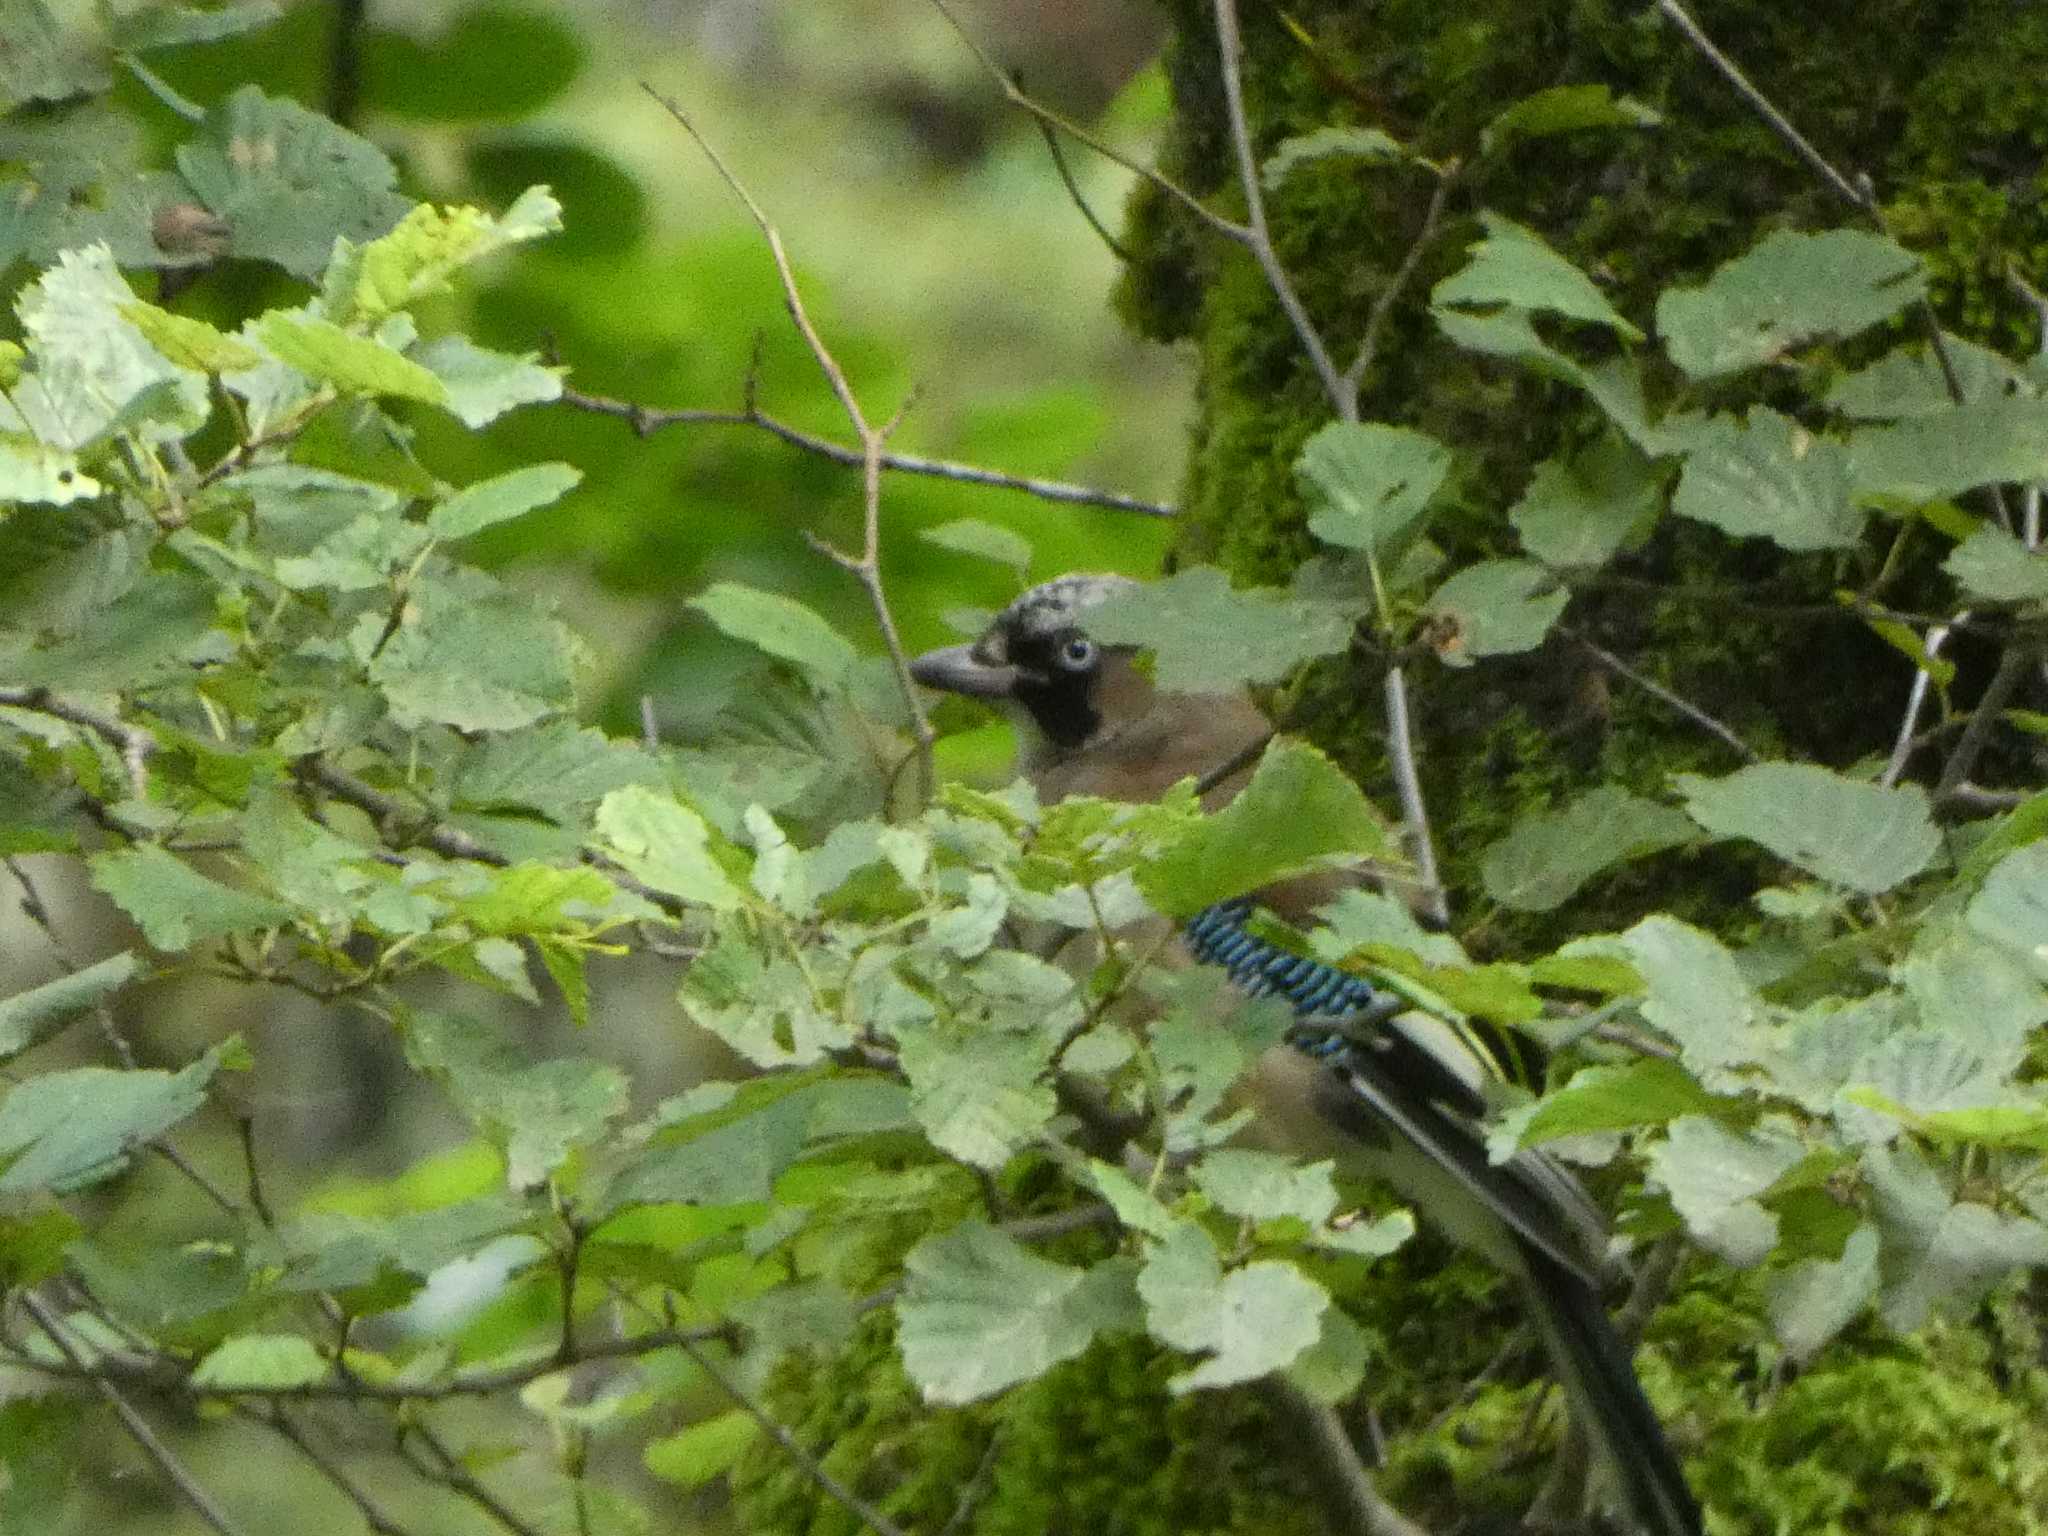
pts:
[281, 1425]
[137, 1426]
[1059, 163]
[1408, 786]
[866, 566]
[2013, 665]
[1657, 690]
[1347, 1487]
[1916, 700]
[1383, 306]
[450, 1473]
[134, 743]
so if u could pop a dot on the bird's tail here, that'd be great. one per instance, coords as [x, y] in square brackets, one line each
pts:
[1599, 1379]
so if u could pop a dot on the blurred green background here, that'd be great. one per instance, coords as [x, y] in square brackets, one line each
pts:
[942, 259]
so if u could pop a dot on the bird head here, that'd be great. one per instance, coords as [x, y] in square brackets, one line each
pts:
[1037, 662]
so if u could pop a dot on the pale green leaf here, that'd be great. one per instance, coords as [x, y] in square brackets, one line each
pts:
[1696, 994]
[1369, 144]
[1814, 1300]
[709, 1449]
[33, 471]
[979, 1099]
[1908, 381]
[1367, 484]
[735, 1162]
[1944, 453]
[1768, 477]
[1495, 608]
[482, 385]
[1862, 836]
[984, 540]
[1647, 1092]
[1993, 566]
[661, 841]
[1249, 1322]
[1299, 812]
[1578, 512]
[1548, 855]
[176, 906]
[30, 1017]
[1939, 1252]
[501, 498]
[2011, 909]
[1262, 1186]
[1513, 267]
[1135, 1206]
[1565, 109]
[1977, 993]
[980, 1312]
[255, 1362]
[354, 365]
[476, 658]
[1714, 1174]
[1788, 289]
[1208, 638]
[782, 627]
[61, 1131]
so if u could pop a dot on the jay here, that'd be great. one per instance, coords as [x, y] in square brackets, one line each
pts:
[1384, 1091]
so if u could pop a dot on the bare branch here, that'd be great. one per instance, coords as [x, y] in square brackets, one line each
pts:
[1408, 785]
[134, 743]
[2013, 665]
[448, 1471]
[137, 1426]
[1916, 700]
[1059, 163]
[281, 1425]
[1347, 1487]
[1657, 690]
[1383, 306]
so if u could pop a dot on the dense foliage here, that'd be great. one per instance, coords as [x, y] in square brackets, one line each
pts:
[254, 683]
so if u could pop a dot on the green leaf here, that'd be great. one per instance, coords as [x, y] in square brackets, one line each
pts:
[762, 1006]
[1208, 638]
[1263, 1186]
[1615, 386]
[1328, 144]
[537, 1114]
[1714, 1174]
[662, 842]
[979, 1099]
[735, 1162]
[2012, 907]
[1908, 381]
[474, 656]
[1993, 566]
[176, 906]
[1768, 477]
[501, 499]
[1862, 836]
[1367, 484]
[64, 1130]
[558, 769]
[355, 365]
[987, 541]
[1250, 1322]
[424, 250]
[1578, 512]
[1788, 289]
[1513, 267]
[90, 369]
[1976, 993]
[1814, 1300]
[255, 1362]
[33, 471]
[1939, 1252]
[782, 627]
[1298, 813]
[288, 181]
[30, 1017]
[1565, 109]
[188, 343]
[1647, 1092]
[692, 1457]
[1549, 855]
[980, 1313]
[482, 385]
[1944, 453]
[1697, 993]
[1496, 608]
[1136, 1207]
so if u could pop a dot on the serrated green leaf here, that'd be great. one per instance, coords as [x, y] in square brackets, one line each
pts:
[1814, 1300]
[1496, 608]
[1615, 386]
[425, 249]
[1993, 566]
[1768, 477]
[1135, 1206]
[256, 1362]
[692, 1457]
[288, 181]
[1939, 1252]
[176, 906]
[1578, 512]
[762, 1006]
[979, 1100]
[537, 1113]
[189, 343]
[1944, 453]
[1565, 109]
[481, 385]
[1788, 289]
[1298, 813]
[2012, 907]
[664, 843]
[1368, 144]
[1909, 381]
[501, 499]
[29, 1017]
[782, 627]
[1208, 638]
[733, 1163]
[1714, 1174]
[65, 1130]
[1263, 1186]
[1548, 855]
[354, 365]
[980, 1313]
[1249, 1321]
[1858, 835]
[986, 541]
[477, 658]
[1696, 993]
[1367, 484]
[1647, 1092]
[1513, 267]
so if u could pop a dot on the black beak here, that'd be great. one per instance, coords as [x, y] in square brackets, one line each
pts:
[957, 669]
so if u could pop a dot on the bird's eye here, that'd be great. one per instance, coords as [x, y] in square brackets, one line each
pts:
[1078, 654]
